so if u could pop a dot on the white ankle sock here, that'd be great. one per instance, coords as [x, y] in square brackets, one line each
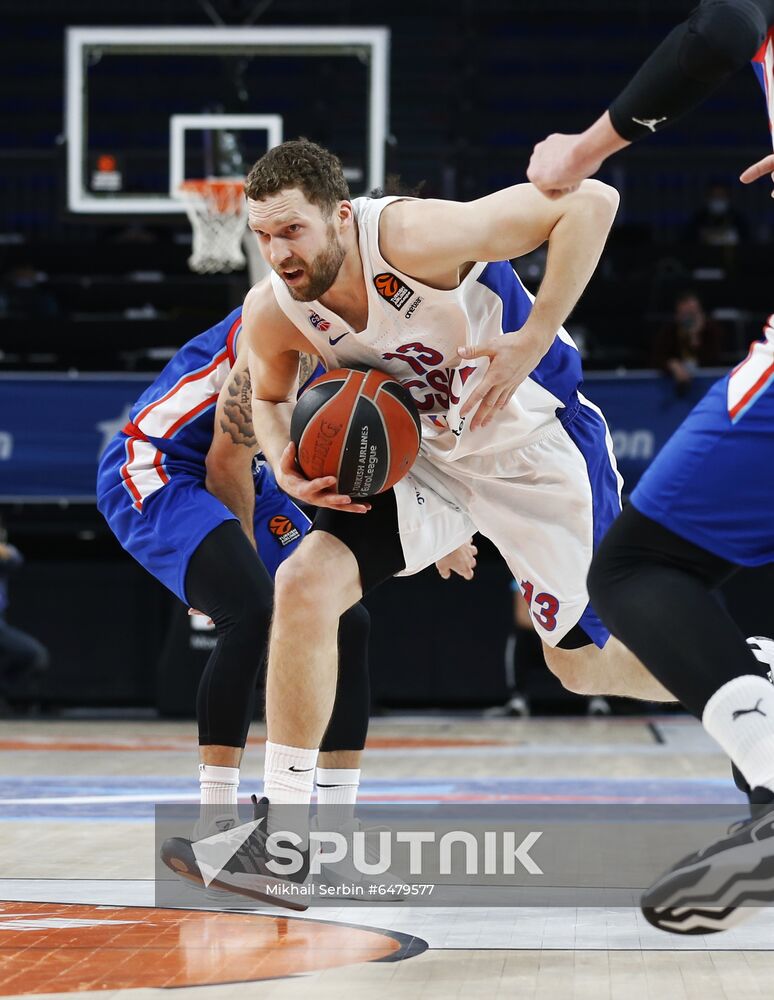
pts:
[337, 785]
[740, 716]
[218, 789]
[218, 784]
[288, 779]
[336, 792]
[288, 774]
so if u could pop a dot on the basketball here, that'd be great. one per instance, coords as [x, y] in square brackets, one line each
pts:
[360, 426]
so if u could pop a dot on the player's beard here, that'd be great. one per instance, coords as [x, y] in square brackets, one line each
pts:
[322, 272]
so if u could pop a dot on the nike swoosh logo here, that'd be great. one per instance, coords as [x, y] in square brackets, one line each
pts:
[334, 340]
[300, 770]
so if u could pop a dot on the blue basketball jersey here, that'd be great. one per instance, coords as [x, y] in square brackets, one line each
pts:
[713, 481]
[151, 479]
[170, 426]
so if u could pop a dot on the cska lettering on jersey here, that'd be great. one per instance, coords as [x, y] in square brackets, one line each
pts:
[432, 387]
[318, 322]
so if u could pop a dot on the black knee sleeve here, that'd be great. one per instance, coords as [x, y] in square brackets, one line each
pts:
[227, 581]
[718, 39]
[348, 726]
[653, 590]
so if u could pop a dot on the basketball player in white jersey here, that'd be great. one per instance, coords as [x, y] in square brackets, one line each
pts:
[424, 291]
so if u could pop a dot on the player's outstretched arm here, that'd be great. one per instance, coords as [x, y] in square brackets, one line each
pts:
[560, 163]
[576, 238]
[717, 40]
[274, 349]
[432, 239]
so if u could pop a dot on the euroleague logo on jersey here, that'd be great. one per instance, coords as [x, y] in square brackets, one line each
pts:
[283, 529]
[390, 287]
[318, 322]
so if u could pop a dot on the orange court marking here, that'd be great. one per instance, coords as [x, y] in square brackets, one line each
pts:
[411, 743]
[183, 743]
[65, 948]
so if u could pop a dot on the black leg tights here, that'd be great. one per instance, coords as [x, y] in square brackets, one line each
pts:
[349, 720]
[653, 590]
[226, 581]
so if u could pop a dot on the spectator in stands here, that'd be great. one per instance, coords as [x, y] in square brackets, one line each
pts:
[718, 223]
[22, 658]
[689, 341]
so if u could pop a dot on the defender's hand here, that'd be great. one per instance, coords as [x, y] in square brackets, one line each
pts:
[758, 170]
[511, 359]
[462, 562]
[317, 492]
[557, 165]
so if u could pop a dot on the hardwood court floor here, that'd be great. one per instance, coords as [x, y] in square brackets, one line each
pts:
[76, 840]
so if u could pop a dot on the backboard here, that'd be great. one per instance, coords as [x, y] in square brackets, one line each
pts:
[133, 95]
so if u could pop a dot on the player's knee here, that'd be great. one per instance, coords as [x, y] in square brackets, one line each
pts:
[575, 669]
[302, 590]
[724, 33]
[316, 582]
[246, 608]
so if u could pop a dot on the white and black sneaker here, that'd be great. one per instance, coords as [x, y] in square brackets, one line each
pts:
[233, 860]
[720, 885]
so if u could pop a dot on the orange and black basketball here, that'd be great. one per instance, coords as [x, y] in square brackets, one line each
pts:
[360, 426]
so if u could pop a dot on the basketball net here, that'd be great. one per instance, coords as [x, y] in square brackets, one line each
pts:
[217, 211]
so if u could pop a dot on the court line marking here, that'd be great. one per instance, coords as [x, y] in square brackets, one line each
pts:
[656, 733]
[427, 921]
[499, 750]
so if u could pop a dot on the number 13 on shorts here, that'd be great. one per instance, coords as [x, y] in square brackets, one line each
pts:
[542, 607]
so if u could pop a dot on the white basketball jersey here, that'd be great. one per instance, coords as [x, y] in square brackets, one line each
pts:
[413, 332]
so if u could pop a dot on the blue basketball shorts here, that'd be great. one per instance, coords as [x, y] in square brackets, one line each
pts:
[713, 481]
[177, 517]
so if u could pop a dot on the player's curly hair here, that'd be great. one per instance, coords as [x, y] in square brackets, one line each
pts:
[299, 163]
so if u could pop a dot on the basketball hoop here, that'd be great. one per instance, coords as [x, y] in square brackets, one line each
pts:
[217, 211]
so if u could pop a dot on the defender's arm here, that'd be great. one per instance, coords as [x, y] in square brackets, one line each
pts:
[696, 57]
[230, 458]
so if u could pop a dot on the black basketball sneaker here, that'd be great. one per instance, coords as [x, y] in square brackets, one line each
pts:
[233, 862]
[720, 885]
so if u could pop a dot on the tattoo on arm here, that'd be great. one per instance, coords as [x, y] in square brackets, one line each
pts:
[237, 420]
[306, 366]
